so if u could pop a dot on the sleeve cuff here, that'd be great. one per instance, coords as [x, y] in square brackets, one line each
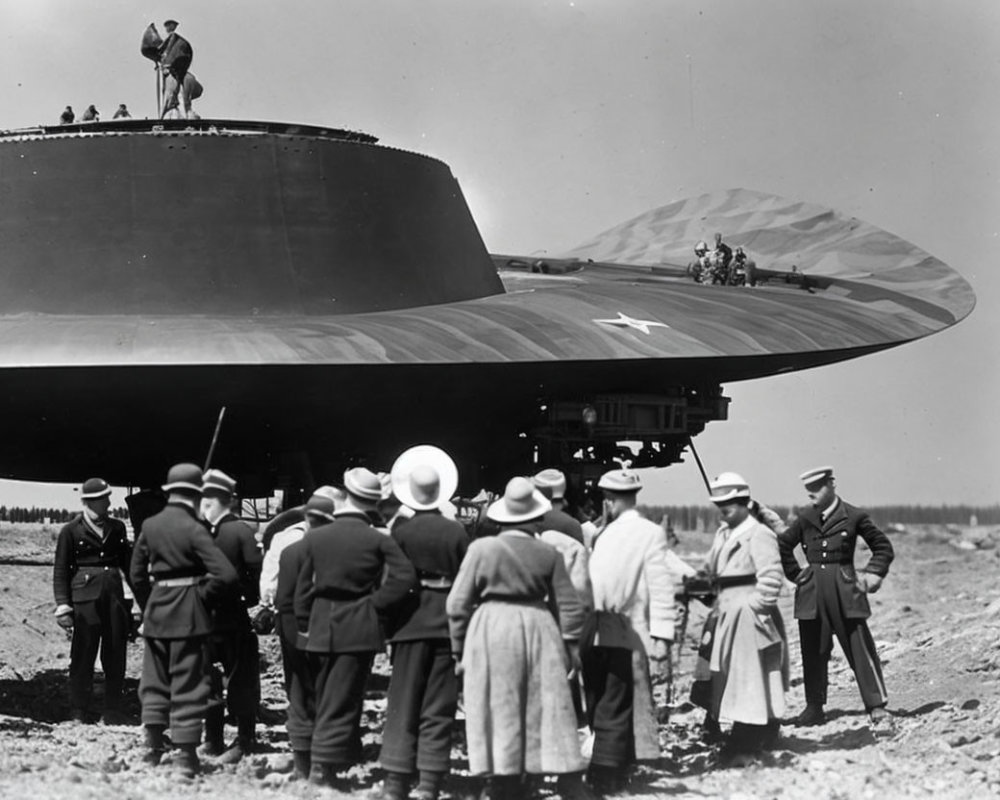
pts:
[62, 608]
[662, 630]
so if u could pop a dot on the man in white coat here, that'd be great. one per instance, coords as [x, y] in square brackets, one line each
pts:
[633, 619]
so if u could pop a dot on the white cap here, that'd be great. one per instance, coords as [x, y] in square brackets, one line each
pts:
[816, 474]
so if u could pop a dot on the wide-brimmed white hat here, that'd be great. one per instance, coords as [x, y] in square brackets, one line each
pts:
[363, 484]
[424, 477]
[521, 502]
[727, 487]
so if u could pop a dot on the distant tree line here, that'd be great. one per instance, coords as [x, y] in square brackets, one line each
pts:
[53, 515]
[705, 518]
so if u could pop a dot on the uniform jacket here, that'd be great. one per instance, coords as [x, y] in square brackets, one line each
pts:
[88, 565]
[237, 542]
[174, 544]
[435, 546]
[341, 595]
[829, 548]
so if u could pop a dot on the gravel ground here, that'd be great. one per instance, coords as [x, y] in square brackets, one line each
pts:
[936, 622]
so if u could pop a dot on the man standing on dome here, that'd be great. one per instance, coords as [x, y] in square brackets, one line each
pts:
[92, 553]
[233, 644]
[633, 615]
[175, 56]
[831, 598]
[178, 575]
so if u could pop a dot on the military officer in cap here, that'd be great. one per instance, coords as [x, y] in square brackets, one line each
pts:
[633, 616]
[300, 678]
[351, 577]
[233, 645]
[92, 553]
[178, 575]
[831, 597]
[423, 690]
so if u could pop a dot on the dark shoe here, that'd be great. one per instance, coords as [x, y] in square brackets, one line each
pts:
[572, 787]
[812, 715]
[235, 753]
[213, 748]
[323, 774]
[156, 744]
[79, 715]
[113, 716]
[186, 761]
[396, 786]
[771, 735]
[711, 732]
[429, 786]
[606, 781]
[302, 760]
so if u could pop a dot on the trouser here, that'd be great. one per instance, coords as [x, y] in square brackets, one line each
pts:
[609, 686]
[174, 687]
[300, 685]
[173, 88]
[816, 640]
[98, 625]
[420, 713]
[235, 672]
[340, 687]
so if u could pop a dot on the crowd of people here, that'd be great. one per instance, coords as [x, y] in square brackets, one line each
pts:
[545, 624]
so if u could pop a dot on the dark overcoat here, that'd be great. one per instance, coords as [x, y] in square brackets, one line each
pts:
[175, 545]
[829, 548]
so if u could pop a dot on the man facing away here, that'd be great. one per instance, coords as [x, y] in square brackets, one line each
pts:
[178, 574]
[831, 597]
[633, 615]
[92, 553]
[233, 644]
[351, 576]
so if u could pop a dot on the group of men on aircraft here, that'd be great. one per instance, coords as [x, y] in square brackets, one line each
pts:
[721, 265]
[543, 622]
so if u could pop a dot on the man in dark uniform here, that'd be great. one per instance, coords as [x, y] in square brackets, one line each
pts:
[92, 552]
[233, 646]
[552, 484]
[300, 680]
[831, 598]
[175, 58]
[178, 575]
[423, 689]
[351, 576]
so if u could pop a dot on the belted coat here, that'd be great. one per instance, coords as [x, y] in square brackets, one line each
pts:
[829, 545]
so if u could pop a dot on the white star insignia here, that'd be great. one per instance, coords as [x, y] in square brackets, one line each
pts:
[625, 321]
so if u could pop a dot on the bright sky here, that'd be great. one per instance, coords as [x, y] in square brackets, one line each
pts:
[562, 119]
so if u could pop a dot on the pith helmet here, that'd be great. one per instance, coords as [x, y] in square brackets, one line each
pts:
[93, 488]
[620, 480]
[728, 487]
[183, 478]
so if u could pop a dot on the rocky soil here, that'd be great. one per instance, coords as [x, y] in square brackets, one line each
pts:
[936, 622]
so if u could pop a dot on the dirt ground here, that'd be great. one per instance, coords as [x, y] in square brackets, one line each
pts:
[936, 622]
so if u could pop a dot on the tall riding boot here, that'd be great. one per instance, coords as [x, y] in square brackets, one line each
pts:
[429, 787]
[155, 744]
[215, 731]
[302, 760]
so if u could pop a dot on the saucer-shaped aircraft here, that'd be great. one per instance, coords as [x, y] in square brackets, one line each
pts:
[335, 296]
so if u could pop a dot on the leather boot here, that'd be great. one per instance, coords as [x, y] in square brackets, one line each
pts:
[244, 741]
[429, 787]
[215, 726]
[186, 760]
[302, 760]
[155, 744]
[813, 714]
[395, 786]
